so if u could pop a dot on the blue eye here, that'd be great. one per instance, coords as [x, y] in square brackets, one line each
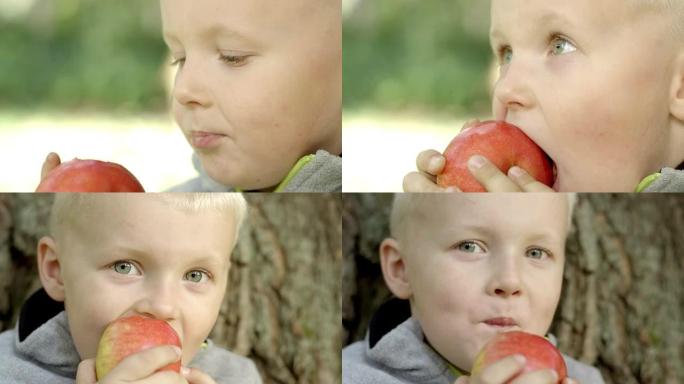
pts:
[196, 276]
[125, 268]
[537, 253]
[469, 247]
[561, 46]
[505, 55]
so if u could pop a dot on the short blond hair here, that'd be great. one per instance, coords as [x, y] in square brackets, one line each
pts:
[407, 205]
[68, 208]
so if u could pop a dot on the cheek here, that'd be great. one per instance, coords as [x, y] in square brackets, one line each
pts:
[544, 295]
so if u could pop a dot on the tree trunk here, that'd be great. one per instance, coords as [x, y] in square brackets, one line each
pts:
[622, 306]
[282, 306]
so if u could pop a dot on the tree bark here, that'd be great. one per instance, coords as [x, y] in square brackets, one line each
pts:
[622, 306]
[282, 305]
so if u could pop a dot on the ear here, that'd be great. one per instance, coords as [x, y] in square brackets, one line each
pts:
[49, 268]
[677, 91]
[394, 268]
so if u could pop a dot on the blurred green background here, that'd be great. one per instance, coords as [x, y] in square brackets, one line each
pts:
[413, 71]
[87, 79]
[74, 54]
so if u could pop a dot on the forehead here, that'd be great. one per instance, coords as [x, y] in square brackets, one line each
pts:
[520, 14]
[513, 213]
[260, 17]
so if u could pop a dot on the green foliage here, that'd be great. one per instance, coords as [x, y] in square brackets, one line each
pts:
[409, 54]
[83, 54]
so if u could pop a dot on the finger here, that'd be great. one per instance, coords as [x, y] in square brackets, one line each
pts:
[51, 162]
[195, 376]
[165, 377]
[500, 371]
[544, 376]
[526, 182]
[491, 177]
[462, 380]
[144, 363]
[418, 182]
[469, 124]
[430, 161]
[568, 380]
[85, 373]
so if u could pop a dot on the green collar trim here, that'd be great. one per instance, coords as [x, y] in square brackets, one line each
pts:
[457, 372]
[648, 180]
[294, 171]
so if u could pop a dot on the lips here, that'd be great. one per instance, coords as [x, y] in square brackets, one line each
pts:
[501, 322]
[202, 139]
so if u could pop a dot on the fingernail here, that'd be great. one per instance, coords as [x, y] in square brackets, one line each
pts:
[178, 351]
[516, 172]
[185, 371]
[520, 359]
[451, 189]
[476, 162]
[554, 376]
[435, 163]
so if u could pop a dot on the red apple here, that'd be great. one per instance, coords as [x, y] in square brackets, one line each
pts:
[89, 176]
[503, 144]
[539, 353]
[129, 335]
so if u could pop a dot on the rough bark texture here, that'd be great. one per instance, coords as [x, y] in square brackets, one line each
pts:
[622, 307]
[282, 307]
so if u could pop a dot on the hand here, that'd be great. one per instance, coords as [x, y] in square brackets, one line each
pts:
[138, 367]
[195, 376]
[51, 162]
[505, 369]
[493, 180]
[430, 163]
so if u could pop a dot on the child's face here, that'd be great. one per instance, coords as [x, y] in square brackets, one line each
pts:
[146, 258]
[259, 85]
[589, 81]
[482, 265]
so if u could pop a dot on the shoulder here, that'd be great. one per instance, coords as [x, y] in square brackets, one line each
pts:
[225, 366]
[584, 373]
[667, 180]
[357, 368]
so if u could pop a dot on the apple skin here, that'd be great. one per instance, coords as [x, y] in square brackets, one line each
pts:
[89, 176]
[128, 335]
[504, 144]
[539, 353]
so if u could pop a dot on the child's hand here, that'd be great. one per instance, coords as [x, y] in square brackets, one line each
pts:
[430, 163]
[493, 180]
[195, 376]
[140, 366]
[51, 162]
[505, 369]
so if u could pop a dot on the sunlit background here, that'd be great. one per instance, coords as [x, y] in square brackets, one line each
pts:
[86, 79]
[414, 71]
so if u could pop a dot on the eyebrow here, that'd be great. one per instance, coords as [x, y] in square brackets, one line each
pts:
[215, 30]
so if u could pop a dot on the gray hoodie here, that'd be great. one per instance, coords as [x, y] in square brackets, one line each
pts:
[322, 173]
[399, 355]
[667, 180]
[46, 353]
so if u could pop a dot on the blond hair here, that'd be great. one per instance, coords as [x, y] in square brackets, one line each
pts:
[670, 8]
[69, 209]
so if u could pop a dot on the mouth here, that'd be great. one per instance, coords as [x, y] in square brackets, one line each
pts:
[501, 322]
[204, 140]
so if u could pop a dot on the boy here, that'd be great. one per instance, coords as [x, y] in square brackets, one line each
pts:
[465, 269]
[599, 85]
[110, 256]
[258, 92]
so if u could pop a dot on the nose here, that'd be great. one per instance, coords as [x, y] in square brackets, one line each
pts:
[505, 280]
[159, 300]
[512, 91]
[189, 87]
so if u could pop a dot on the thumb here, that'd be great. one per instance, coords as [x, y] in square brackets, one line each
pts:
[85, 373]
[51, 162]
